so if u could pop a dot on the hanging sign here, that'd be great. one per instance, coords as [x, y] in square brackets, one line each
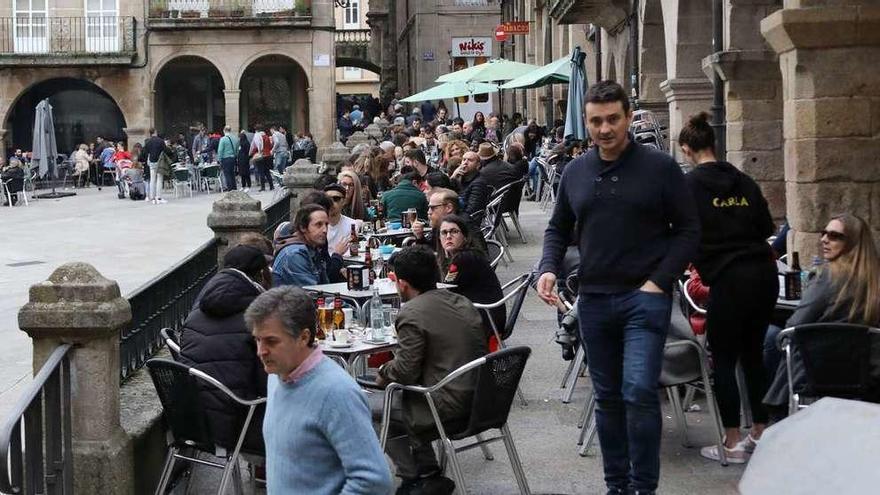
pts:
[516, 28]
[472, 47]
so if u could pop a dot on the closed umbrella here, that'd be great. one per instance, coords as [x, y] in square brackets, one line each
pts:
[577, 85]
[558, 71]
[44, 149]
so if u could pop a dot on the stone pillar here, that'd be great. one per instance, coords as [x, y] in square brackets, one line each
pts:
[78, 306]
[135, 135]
[3, 146]
[828, 55]
[298, 179]
[686, 97]
[753, 96]
[334, 155]
[232, 98]
[232, 216]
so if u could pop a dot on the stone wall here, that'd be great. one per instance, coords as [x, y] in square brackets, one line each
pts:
[829, 56]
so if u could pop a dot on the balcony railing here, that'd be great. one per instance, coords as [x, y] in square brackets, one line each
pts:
[228, 10]
[67, 36]
[354, 36]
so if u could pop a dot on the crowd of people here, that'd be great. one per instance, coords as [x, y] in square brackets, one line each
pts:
[637, 222]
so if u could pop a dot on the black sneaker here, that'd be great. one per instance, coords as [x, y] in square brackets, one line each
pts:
[407, 486]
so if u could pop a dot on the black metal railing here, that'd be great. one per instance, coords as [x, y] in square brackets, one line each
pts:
[167, 300]
[354, 36]
[225, 9]
[35, 443]
[162, 302]
[67, 35]
[276, 213]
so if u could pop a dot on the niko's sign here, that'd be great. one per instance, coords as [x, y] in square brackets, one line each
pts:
[472, 47]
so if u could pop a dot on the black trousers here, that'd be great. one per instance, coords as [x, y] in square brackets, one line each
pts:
[263, 165]
[741, 303]
[244, 171]
[228, 165]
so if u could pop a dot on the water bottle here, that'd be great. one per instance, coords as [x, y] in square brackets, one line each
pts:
[376, 331]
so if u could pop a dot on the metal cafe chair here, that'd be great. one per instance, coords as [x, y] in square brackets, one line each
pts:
[179, 392]
[171, 339]
[496, 252]
[837, 362]
[517, 296]
[497, 379]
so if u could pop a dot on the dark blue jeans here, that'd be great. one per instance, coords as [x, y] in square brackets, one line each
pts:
[228, 165]
[624, 335]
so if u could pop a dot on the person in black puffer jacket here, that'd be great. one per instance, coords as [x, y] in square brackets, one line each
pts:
[216, 340]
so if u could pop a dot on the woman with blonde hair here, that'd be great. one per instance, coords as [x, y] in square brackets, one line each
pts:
[354, 197]
[846, 289]
[81, 160]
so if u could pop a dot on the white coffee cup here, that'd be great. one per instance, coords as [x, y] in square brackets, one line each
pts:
[341, 336]
[349, 316]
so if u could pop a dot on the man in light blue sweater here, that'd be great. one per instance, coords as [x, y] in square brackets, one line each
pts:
[317, 429]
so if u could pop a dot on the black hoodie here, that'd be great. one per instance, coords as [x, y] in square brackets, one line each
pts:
[216, 340]
[734, 215]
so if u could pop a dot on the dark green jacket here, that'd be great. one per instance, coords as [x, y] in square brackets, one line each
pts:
[403, 197]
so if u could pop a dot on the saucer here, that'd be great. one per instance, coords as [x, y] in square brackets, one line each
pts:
[339, 345]
[375, 342]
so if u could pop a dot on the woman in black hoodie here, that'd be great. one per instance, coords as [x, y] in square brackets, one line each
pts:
[735, 260]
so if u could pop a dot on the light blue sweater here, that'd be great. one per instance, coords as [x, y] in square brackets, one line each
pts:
[319, 437]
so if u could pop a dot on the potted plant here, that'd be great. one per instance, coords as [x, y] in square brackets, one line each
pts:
[190, 14]
[302, 8]
[218, 12]
[237, 11]
[158, 8]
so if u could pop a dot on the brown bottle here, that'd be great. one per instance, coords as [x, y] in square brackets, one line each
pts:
[354, 242]
[792, 278]
[380, 213]
[368, 262]
[338, 315]
[319, 318]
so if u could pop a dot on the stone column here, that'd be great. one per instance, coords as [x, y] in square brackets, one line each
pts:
[299, 179]
[3, 146]
[686, 97]
[232, 98]
[829, 56]
[232, 216]
[753, 96]
[78, 306]
[135, 135]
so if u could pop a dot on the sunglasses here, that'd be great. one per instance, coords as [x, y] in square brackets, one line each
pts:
[833, 236]
[336, 199]
[450, 232]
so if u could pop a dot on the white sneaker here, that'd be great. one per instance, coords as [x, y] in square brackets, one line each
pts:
[749, 443]
[736, 455]
[161, 201]
[152, 201]
[245, 189]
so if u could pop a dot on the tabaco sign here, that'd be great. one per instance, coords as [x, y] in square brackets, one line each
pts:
[516, 27]
[472, 47]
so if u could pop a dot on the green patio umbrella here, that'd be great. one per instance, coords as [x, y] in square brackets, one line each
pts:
[557, 71]
[492, 71]
[452, 90]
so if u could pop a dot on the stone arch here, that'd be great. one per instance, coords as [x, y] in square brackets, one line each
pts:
[236, 84]
[162, 63]
[274, 90]
[359, 63]
[688, 32]
[72, 98]
[189, 90]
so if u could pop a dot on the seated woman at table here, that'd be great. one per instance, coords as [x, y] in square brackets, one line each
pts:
[466, 266]
[330, 254]
[12, 174]
[354, 197]
[845, 290]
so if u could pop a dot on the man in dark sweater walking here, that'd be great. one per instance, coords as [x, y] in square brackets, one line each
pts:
[637, 228]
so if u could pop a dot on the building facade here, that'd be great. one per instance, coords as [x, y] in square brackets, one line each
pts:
[441, 36]
[115, 68]
[352, 80]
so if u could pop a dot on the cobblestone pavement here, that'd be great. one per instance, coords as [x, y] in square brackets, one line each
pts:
[546, 430]
[127, 241]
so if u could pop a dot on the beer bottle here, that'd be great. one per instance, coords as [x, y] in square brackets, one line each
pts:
[338, 315]
[319, 318]
[368, 262]
[354, 244]
[380, 212]
[793, 282]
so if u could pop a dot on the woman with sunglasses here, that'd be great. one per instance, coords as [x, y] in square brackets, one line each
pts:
[735, 260]
[846, 289]
[354, 196]
[466, 266]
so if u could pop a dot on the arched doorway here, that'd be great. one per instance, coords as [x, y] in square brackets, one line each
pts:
[81, 111]
[273, 91]
[189, 93]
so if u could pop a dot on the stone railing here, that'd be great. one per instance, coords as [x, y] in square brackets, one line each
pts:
[353, 36]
